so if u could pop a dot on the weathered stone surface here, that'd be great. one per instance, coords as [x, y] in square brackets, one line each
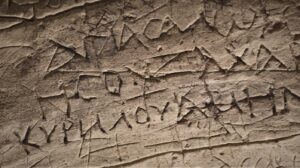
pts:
[149, 83]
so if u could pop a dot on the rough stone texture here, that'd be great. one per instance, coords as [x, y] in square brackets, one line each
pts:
[150, 83]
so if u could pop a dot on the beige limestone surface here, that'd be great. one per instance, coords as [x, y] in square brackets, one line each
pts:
[150, 83]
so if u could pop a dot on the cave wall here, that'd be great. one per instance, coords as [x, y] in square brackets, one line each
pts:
[149, 83]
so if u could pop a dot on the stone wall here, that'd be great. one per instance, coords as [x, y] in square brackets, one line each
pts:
[150, 83]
